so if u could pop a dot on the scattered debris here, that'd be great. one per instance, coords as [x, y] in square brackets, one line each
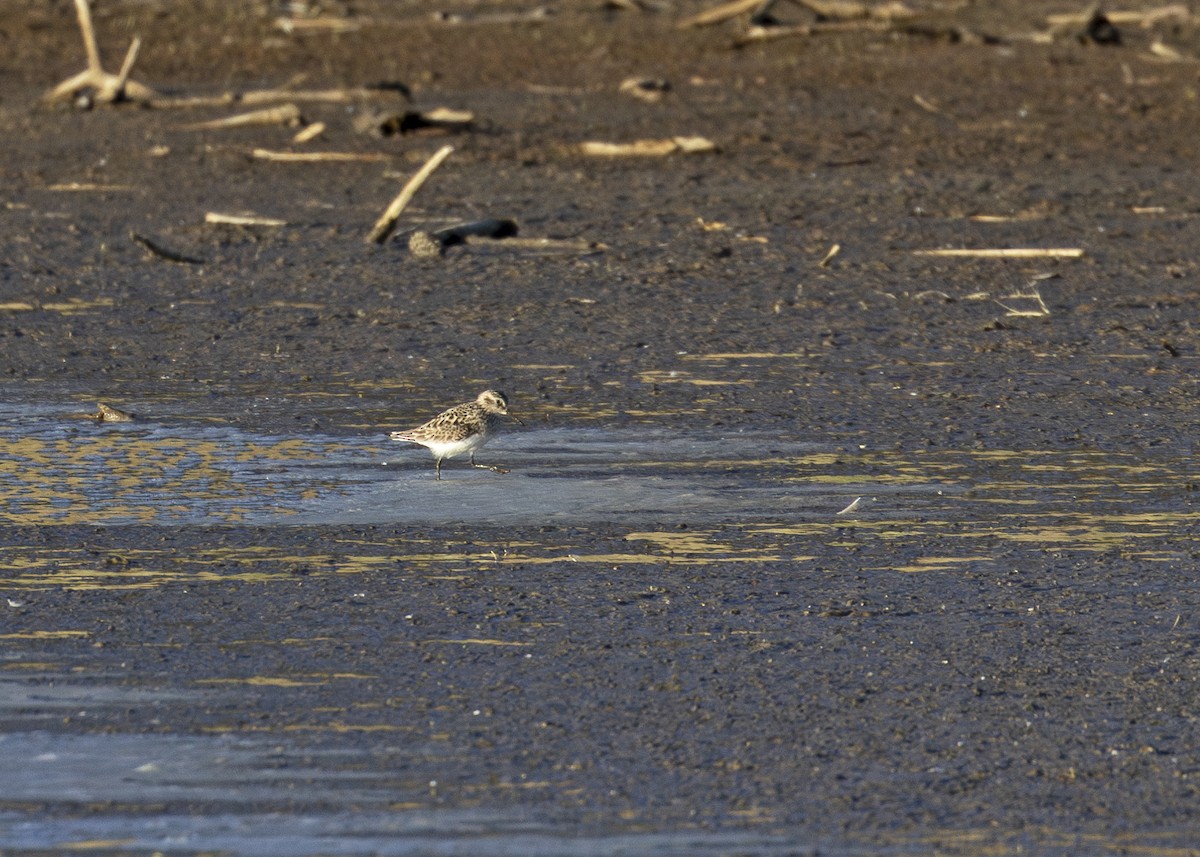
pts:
[828, 15]
[164, 252]
[269, 96]
[427, 244]
[387, 221]
[666, 146]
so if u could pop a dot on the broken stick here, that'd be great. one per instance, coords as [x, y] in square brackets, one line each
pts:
[719, 13]
[1008, 252]
[284, 114]
[387, 221]
[318, 157]
[665, 146]
[241, 219]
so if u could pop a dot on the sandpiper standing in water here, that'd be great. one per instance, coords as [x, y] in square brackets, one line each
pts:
[463, 428]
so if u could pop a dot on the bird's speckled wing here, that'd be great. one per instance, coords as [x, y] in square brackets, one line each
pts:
[458, 423]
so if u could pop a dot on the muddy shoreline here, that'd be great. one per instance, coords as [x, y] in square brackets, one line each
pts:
[246, 611]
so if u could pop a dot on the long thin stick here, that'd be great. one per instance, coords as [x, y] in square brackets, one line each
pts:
[387, 221]
[284, 114]
[242, 219]
[127, 66]
[1008, 252]
[89, 36]
[318, 157]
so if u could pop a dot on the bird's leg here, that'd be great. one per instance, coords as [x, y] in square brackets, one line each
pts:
[490, 467]
[437, 469]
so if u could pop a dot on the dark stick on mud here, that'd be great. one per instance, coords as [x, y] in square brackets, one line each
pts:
[428, 244]
[164, 252]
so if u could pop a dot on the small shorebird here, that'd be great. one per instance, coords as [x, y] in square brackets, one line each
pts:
[463, 428]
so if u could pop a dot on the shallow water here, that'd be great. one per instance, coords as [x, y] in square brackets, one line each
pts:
[58, 469]
[702, 498]
[62, 470]
[143, 772]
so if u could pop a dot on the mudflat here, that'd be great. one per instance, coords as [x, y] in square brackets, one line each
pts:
[855, 508]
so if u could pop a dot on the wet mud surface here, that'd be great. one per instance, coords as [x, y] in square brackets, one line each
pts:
[247, 623]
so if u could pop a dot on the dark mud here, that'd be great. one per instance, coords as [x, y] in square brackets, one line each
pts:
[248, 624]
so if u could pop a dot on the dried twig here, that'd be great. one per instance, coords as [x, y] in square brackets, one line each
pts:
[387, 221]
[848, 10]
[854, 504]
[105, 87]
[317, 157]
[717, 14]
[242, 219]
[1008, 252]
[284, 114]
[325, 24]
[91, 187]
[666, 146]
[310, 132]
[1164, 51]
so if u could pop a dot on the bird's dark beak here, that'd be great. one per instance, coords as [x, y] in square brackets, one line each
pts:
[518, 419]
